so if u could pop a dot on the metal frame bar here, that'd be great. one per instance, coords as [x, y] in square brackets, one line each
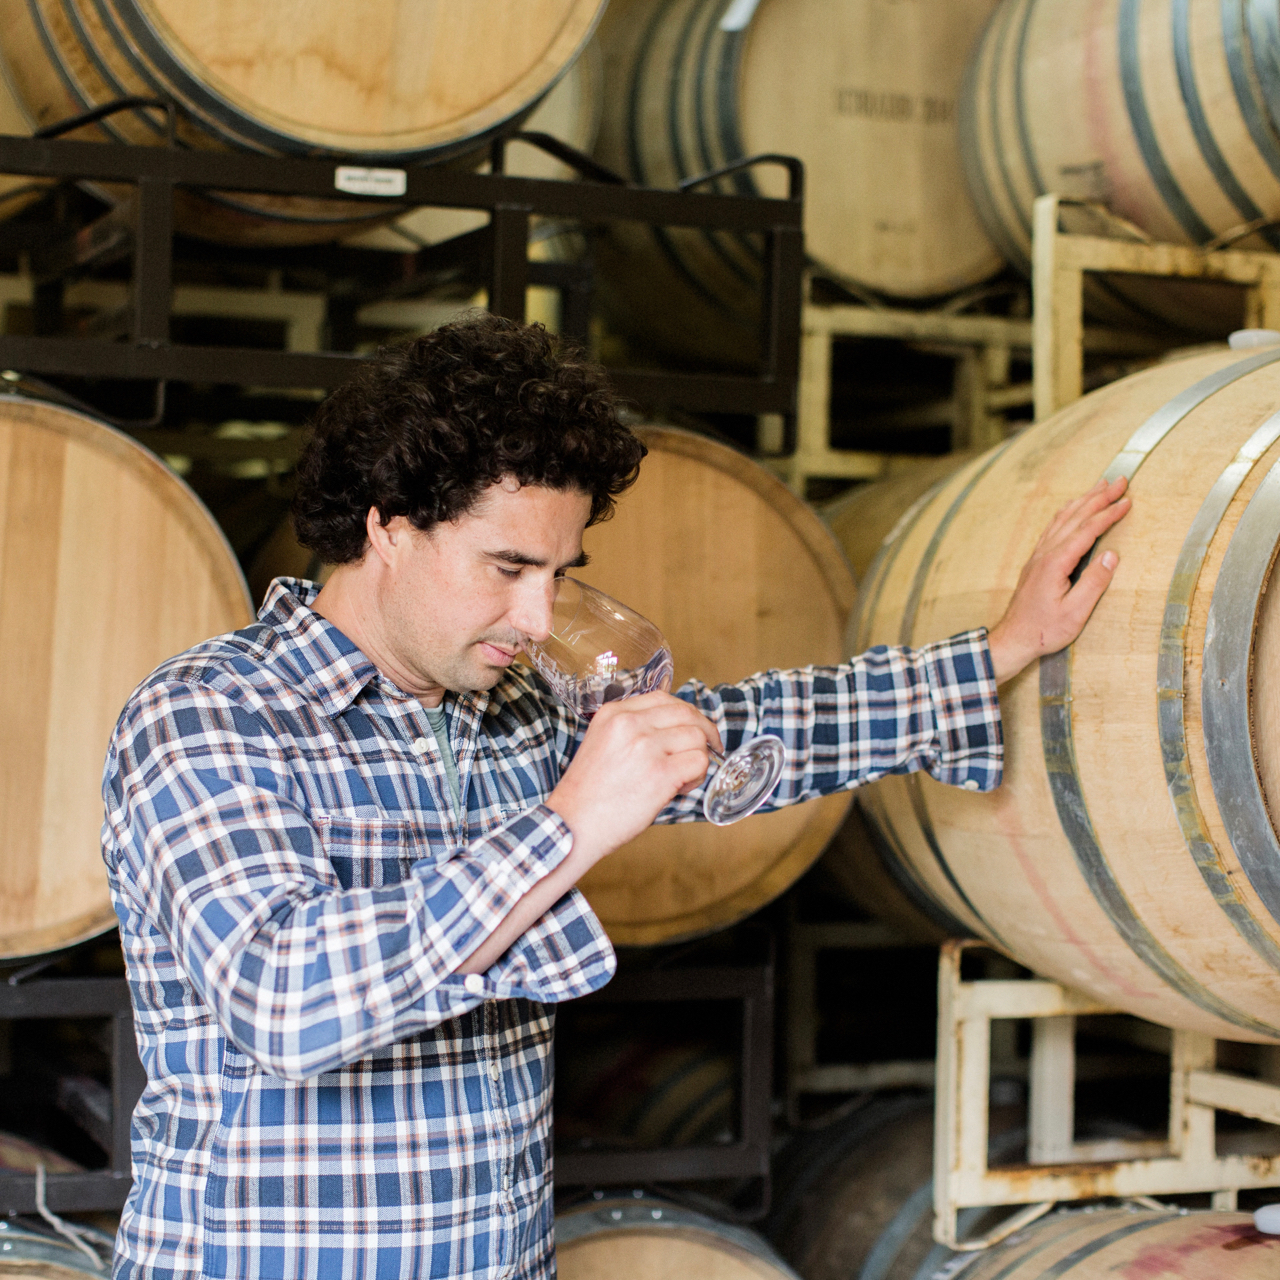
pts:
[511, 201]
[1060, 1168]
[100, 1189]
[752, 987]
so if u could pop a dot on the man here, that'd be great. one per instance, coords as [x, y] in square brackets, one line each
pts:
[342, 842]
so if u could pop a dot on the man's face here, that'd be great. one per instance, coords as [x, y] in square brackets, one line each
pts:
[457, 600]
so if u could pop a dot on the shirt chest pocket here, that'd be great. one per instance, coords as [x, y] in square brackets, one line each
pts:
[368, 853]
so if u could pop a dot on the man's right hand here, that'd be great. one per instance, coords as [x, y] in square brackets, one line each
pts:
[637, 755]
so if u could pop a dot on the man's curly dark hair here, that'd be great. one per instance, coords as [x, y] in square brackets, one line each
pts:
[423, 429]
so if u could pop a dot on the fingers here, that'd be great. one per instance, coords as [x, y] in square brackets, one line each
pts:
[662, 711]
[1048, 611]
[1099, 499]
[1075, 545]
[1086, 593]
[1070, 539]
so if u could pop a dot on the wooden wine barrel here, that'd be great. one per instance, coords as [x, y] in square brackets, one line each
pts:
[741, 576]
[861, 519]
[866, 875]
[864, 92]
[857, 1200]
[860, 1184]
[108, 565]
[388, 82]
[650, 1239]
[640, 1091]
[855, 1197]
[1163, 111]
[570, 112]
[1178, 1245]
[1129, 853]
[22, 1156]
[856, 860]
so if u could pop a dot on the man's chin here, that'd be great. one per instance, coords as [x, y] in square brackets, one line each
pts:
[478, 678]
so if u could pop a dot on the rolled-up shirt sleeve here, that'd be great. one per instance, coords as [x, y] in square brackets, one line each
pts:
[891, 710]
[214, 845]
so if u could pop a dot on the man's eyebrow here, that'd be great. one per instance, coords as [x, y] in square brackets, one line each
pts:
[533, 562]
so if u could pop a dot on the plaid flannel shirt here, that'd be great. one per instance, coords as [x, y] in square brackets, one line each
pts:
[326, 1097]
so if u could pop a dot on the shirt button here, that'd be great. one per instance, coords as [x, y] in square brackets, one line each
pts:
[495, 1071]
[420, 746]
[506, 1182]
[474, 983]
[970, 784]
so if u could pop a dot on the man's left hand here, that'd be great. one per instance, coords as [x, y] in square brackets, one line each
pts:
[1047, 611]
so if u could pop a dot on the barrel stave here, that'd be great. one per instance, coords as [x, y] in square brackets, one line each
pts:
[1008, 850]
[1156, 132]
[1202, 1245]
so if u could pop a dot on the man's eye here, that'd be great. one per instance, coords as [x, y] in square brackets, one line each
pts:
[509, 573]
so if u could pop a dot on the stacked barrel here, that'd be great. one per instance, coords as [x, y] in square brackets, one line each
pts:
[388, 83]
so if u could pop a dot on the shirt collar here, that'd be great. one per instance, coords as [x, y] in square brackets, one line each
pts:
[329, 665]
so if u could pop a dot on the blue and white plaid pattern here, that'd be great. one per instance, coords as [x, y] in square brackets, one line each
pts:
[326, 1097]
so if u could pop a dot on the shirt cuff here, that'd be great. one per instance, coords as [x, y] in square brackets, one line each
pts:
[966, 711]
[563, 955]
[467, 896]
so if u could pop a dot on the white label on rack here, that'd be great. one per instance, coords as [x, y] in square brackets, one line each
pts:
[738, 15]
[370, 182]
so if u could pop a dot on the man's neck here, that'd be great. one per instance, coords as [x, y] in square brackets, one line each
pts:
[346, 602]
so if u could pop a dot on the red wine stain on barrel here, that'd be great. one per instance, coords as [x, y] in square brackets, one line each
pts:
[1160, 1261]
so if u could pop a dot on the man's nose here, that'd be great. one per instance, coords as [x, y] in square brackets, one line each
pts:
[533, 611]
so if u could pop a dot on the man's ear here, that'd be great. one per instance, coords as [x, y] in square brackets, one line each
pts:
[385, 539]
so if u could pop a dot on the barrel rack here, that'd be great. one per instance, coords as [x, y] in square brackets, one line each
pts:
[1060, 261]
[496, 254]
[805, 1074]
[678, 974]
[983, 395]
[24, 994]
[1058, 1167]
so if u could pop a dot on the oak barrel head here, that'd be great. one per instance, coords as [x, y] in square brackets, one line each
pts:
[109, 564]
[741, 576]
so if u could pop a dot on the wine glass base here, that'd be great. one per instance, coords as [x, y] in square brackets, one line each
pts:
[744, 781]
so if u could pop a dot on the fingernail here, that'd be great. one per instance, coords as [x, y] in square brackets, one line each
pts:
[1110, 559]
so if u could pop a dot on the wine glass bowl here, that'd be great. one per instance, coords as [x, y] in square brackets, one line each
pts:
[600, 650]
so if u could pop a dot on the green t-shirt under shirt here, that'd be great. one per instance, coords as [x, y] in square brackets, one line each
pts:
[440, 727]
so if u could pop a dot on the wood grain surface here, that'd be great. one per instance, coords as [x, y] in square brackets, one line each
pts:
[392, 76]
[385, 80]
[1200, 1245]
[1003, 865]
[863, 92]
[741, 576]
[108, 565]
[1134, 107]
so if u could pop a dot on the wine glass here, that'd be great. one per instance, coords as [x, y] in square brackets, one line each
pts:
[599, 651]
